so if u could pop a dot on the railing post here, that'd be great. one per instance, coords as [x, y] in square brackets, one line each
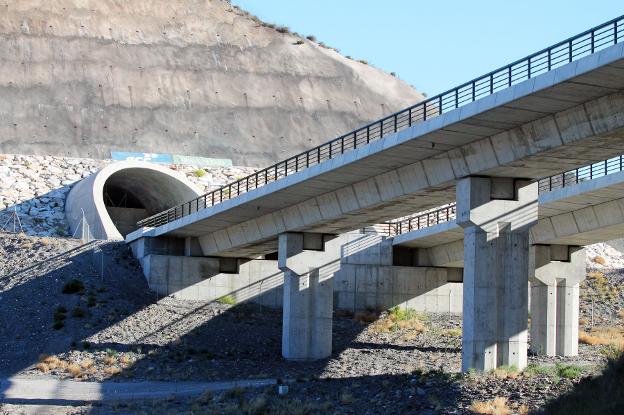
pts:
[425, 111]
[509, 75]
[474, 90]
[529, 67]
[440, 105]
[570, 51]
[456, 98]
[593, 41]
[549, 59]
[615, 32]
[307, 159]
[380, 130]
[491, 84]
[395, 123]
[409, 117]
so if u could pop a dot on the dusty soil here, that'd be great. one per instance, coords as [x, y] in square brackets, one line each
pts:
[128, 334]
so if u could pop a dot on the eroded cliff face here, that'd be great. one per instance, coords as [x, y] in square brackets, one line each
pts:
[192, 77]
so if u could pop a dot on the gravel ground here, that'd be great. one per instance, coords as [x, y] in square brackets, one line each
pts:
[127, 334]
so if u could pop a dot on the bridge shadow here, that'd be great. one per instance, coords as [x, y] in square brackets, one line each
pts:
[224, 342]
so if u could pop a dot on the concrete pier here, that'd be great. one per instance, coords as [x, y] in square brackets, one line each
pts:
[559, 269]
[496, 214]
[309, 263]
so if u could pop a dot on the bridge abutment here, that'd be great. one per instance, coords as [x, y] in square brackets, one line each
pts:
[309, 262]
[558, 271]
[496, 214]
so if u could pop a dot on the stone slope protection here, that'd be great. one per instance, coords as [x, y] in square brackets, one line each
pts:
[82, 78]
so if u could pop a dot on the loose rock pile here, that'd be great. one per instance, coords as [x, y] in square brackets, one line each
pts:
[35, 187]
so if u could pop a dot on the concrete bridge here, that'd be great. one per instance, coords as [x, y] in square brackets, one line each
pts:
[484, 144]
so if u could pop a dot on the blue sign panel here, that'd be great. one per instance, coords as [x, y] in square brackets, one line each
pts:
[148, 157]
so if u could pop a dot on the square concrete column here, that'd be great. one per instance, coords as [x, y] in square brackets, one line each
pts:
[309, 262]
[496, 214]
[557, 272]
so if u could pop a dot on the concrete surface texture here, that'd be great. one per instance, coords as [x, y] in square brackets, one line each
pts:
[417, 167]
[70, 391]
[365, 278]
[557, 271]
[496, 269]
[155, 188]
[192, 77]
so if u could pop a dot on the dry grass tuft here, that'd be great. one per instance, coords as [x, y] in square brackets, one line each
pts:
[109, 360]
[125, 360]
[600, 260]
[400, 319]
[87, 363]
[42, 367]
[497, 406]
[112, 370]
[603, 336]
[74, 370]
[506, 372]
[621, 314]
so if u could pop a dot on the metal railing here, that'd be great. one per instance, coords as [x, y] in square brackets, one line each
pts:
[420, 220]
[569, 50]
[547, 184]
[593, 171]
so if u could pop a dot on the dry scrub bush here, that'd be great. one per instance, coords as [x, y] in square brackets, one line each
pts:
[506, 372]
[42, 367]
[74, 370]
[600, 260]
[87, 363]
[603, 336]
[112, 370]
[399, 319]
[125, 360]
[497, 406]
[109, 360]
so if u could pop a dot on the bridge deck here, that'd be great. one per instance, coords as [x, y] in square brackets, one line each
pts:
[416, 168]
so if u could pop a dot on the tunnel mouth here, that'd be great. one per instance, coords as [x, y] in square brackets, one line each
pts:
[111, 202]
[131, 195]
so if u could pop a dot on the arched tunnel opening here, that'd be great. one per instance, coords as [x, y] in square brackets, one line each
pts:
[133, 194]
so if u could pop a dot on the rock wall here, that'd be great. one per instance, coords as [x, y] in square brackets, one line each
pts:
[36, 187]
[191, 77]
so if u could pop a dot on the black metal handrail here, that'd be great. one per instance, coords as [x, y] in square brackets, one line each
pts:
[569, 50]
[547, 184]
[420, 220]
[593, 171]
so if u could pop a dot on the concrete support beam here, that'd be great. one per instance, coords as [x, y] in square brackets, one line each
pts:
[496, 215]
[558, 271]
[309, 262]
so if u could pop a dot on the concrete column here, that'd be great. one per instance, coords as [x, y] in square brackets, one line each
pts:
[496, 214]
[557, 273]
[309, 262]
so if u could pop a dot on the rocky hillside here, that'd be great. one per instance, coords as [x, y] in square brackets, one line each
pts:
[191, 77]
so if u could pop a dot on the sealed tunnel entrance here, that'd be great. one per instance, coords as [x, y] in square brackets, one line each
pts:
[118, 196]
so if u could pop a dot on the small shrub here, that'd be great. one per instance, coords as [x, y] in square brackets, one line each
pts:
[569, 371]
[362, 61]
[227, 299]
[506, 372]
[74, 370]
[87, 363]
[78, 312]
[112, 353]
[600, 260]
[603, 336]
[256, 406]
[125, 360]
[86, 345]
[109, 360]
[299, 42]
[282, 29]
[346, 398]
[42, 367]
[91, 302]
[73, 287]
[61, 309]
[453, 332]
[199, 172]
[59, 324]
[311, 38]
[497, 406]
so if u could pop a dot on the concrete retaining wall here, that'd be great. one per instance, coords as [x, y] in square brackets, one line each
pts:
[366, 278]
